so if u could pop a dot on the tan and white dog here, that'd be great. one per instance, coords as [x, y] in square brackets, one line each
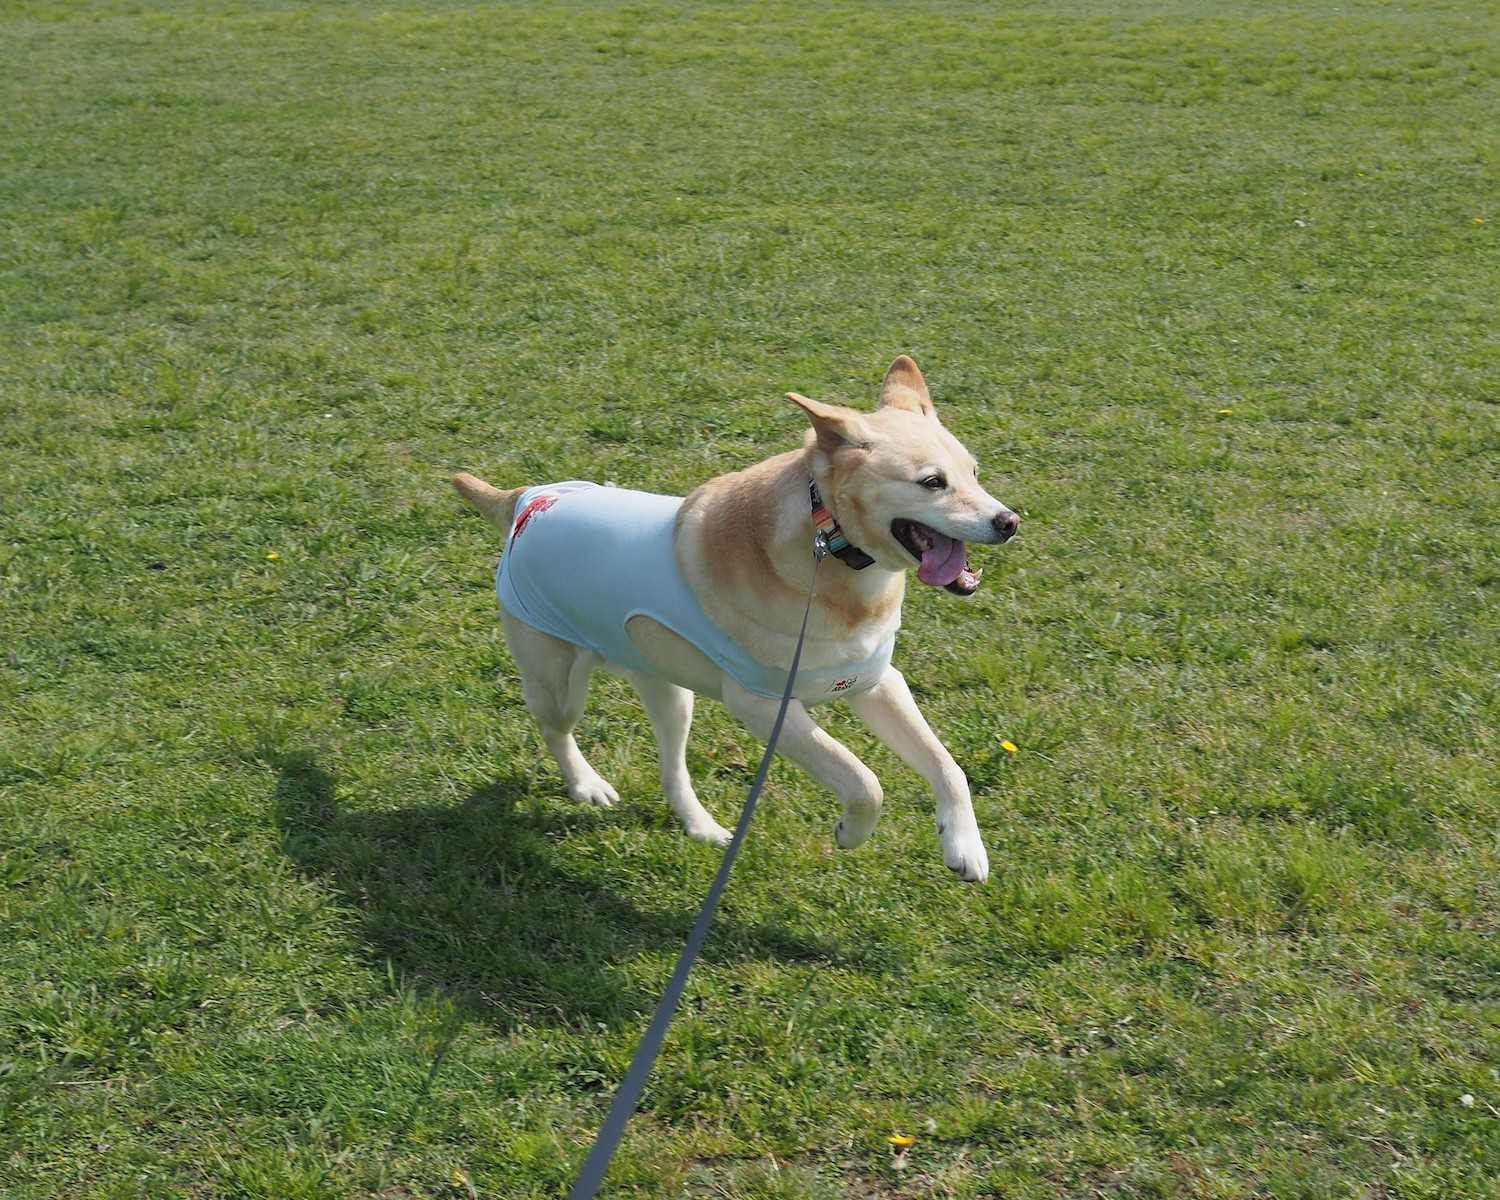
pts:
[905, 492]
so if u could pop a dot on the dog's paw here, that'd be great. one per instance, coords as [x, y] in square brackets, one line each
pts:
[712, 833]
[850, 831]
[964, 854]
[594, 791]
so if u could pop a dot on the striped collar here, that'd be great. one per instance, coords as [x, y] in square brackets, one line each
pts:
[833, 537]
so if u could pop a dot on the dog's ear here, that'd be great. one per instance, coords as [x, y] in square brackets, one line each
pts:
[835, 425]
[905, 388]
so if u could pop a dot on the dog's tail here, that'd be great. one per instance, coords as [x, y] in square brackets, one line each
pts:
[495, 506]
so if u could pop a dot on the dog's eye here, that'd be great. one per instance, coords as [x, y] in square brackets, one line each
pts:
[933, 483]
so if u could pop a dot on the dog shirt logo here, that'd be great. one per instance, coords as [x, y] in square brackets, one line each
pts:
[540, 505]
[844, 684]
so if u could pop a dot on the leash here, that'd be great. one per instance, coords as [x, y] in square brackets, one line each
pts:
[608, 1139]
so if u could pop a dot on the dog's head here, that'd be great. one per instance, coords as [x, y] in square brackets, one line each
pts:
[902, 488]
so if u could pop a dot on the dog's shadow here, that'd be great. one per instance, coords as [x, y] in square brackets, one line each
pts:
[475, 902]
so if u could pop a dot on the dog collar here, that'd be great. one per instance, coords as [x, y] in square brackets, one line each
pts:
[831, 536]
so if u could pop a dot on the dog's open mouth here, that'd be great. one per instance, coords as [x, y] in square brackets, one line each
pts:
[942, 561]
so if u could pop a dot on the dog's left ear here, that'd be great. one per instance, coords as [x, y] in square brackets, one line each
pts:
[836, 426]
[905, 388]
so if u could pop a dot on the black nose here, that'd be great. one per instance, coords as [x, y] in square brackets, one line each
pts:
[1006, 525]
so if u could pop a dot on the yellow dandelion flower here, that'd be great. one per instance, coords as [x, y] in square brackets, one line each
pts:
[272, 556]
[1009, 747]
[1226, 412]
[901, 1141]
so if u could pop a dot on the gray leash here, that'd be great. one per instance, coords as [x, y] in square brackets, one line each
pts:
[629, 1093]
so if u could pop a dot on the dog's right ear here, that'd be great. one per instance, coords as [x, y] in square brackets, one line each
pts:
[835, 425]
[905, 388]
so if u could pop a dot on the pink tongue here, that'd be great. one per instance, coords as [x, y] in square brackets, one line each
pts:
[942, 561]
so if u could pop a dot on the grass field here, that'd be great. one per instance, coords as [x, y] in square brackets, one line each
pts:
[292, 904]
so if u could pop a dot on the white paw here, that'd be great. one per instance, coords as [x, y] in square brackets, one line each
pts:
[594, 790]
[963, 852]
[853, 830]
[712, 833]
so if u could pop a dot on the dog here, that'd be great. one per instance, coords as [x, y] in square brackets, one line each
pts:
[705, 595]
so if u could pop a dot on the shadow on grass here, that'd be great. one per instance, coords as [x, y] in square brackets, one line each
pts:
[471, 901]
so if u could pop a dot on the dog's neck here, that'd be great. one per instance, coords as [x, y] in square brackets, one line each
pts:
[749, 558]
[829, 537]
[839, 583]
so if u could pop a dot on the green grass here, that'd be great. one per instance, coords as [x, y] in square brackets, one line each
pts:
[292, 905]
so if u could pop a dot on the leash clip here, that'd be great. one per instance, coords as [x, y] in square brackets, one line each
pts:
[820, 545]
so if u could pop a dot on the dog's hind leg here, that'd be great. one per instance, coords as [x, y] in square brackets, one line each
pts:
[671, 711]
[555, 681]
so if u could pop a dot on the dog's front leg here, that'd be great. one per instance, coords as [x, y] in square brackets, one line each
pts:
[893, 716]
[828, 761]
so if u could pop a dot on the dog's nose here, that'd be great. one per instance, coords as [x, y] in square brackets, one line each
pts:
[1006, 525]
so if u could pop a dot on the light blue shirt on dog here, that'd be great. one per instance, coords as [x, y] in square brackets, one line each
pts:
[581, 560]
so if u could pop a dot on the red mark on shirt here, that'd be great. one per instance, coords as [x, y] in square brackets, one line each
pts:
[540, 504]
